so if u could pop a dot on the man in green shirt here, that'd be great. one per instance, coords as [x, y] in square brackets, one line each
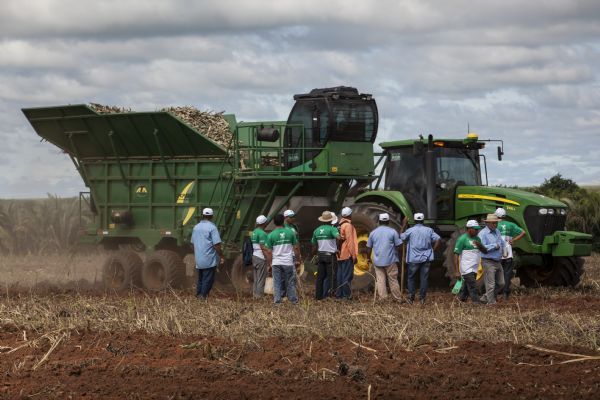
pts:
[467, 255]
[324, 241]
[285, 259]
[260, 256]
[510, 232]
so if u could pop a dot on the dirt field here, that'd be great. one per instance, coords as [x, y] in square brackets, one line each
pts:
[77, 341]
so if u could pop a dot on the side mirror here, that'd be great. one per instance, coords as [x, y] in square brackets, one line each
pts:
[500, 153]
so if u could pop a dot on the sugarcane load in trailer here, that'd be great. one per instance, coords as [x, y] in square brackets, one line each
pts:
[150, 174]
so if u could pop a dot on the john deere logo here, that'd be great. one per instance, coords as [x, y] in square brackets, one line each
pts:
[141, 191]
[184, 198]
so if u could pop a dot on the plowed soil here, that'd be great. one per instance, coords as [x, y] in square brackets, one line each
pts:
[139, 365]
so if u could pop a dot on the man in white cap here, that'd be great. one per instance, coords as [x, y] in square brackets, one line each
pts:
[261, 259]
[493, 275]
[384, 242]
[290, 222]
[324, 241]
[422, 243]
[347, 255]
[207, 251]
[467, 254]
[510, 232]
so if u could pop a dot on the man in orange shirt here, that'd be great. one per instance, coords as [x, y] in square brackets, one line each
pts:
[347, 255]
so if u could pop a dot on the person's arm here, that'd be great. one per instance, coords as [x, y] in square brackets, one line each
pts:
[219, 251]
[480, 246]
[520, 234]
[298, 256]
[488, 246]
[369, 251]
[456, 266]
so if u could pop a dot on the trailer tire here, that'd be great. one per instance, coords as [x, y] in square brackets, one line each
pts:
[565, 271]
[163, 269]
[122, 270]
[365, 218]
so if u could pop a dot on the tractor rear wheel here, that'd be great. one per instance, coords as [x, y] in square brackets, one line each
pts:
[163, 269]
[560, 271]
[365, 218]
[122, 270]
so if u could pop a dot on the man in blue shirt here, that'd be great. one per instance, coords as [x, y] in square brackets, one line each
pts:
[493, 275]
[384, 241]
[422, 243]
[207, 251]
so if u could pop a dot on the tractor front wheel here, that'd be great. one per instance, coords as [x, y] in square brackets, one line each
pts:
[558, 271]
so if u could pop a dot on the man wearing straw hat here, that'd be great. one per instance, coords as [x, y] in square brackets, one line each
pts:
[493, 275]
[385, 242]
[324, 241]
[422, 241]
[260, 256]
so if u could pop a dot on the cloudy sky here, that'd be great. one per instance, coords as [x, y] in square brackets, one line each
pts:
[526, 72]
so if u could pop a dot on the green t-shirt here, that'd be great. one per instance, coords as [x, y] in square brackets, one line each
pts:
[469, 253]
[508, 230]
[259, 237]
[282, 241]
[294, 228]
[325, 238]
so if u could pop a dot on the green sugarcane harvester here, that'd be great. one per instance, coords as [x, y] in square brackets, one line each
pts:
[149, 175]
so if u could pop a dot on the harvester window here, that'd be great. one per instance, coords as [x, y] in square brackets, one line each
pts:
[354, 121]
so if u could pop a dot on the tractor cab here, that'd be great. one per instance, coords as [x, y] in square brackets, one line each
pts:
[428, 172]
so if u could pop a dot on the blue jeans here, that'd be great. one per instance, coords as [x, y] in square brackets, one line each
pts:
[284, 278]
[206, 278]
[507, 267]
[345, 273]
[423, 270]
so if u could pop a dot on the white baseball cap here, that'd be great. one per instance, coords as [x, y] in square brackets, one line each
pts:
[346, 211]
[419, 216]
[473, 224]
[288, 213]
[261, 219]
[500, 212]
[208, 211]
[384, 217]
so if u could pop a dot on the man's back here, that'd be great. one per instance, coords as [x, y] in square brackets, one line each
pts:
[384, 240]
[204, 237]
[420, 240]
[282, 241]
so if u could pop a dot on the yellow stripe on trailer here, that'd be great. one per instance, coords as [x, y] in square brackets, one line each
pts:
[481, 197]
[181, 200]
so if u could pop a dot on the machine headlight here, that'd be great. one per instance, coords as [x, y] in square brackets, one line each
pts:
[551, 211]
[563, 211]
[543, 211]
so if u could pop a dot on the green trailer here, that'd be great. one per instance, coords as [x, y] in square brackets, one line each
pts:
[149, 175]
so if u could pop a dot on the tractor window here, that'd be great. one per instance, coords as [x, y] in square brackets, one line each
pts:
[353, 121]
[405, 173]
[314, 117]
[458, 166]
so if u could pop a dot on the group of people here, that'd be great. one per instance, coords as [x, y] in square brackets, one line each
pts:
[335, 251]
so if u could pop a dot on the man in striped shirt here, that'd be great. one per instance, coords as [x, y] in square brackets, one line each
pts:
[284, 247]
[324, 241]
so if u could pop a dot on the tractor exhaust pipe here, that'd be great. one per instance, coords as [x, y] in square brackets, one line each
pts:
[430, 176]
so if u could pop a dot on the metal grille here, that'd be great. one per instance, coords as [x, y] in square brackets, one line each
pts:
[540, 226]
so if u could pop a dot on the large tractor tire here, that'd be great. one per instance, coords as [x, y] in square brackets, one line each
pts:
[122, 270]
[365, 218]
[559, 271]
[163, 269]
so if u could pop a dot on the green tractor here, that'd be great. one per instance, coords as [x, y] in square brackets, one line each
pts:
[443, 179]
[149, 175]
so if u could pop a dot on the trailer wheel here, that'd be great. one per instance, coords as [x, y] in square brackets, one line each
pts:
[365, 218]
[122, 270]
[163, 269]
[562, 271]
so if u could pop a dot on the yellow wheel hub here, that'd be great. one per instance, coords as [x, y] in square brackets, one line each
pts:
[362, 266]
